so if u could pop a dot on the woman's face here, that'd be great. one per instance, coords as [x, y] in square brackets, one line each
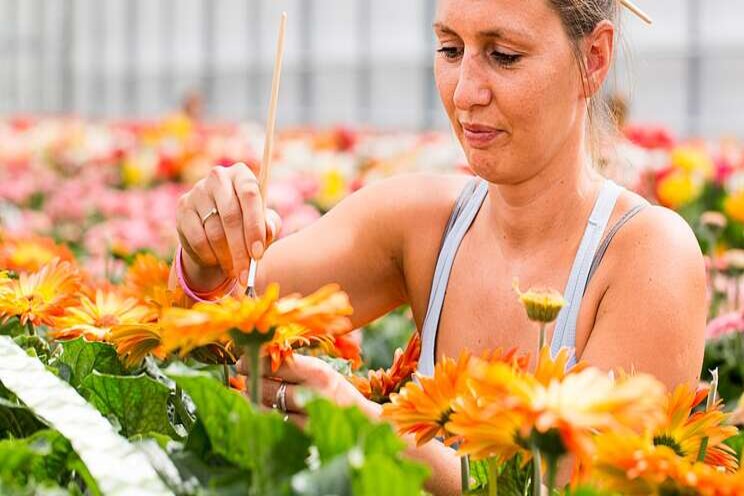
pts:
[507, 75]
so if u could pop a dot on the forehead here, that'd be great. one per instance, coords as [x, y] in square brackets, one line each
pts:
[529, 19]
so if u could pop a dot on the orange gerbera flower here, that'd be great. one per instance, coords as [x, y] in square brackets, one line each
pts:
[211, 322]
[345, 347]
[490, 414]
[289, 337]
[590, 401]
[146, 277]
[95, 319]
[631, 464]
[134, 342]
[684, 432]
[293, 320]
[549, 369]
[326, 311]
[424, 407]
[41, 296]
[380, 384]
[30, 253]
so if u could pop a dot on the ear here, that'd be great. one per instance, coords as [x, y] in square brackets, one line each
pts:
[599, 49]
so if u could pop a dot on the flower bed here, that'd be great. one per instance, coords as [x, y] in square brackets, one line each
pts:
[108, 384]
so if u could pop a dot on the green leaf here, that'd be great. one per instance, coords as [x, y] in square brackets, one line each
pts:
[83, 357]
[382, 474]
[118, 467]
[336, 430]
[262, 442]
[16, 419]
[332, 478]
[40, 346]
[478, 474]
[139, 403]
[12, 328]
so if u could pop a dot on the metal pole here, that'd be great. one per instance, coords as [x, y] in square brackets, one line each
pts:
[694, 68]
[41, 41]
[131, 88]
[364, 69]
[208, 53]
[255, 44]
[98, 65]
[430, 93]
[14, 47]
[307, 91]
[67, 56]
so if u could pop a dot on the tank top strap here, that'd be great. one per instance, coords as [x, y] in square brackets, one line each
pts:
[564, 335]
[468, 204]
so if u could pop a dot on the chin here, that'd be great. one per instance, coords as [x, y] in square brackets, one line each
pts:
[492, 169]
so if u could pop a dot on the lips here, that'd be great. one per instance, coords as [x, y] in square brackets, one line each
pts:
[479, 135]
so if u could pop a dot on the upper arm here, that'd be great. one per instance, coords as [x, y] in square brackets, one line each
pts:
[359, 244]
[652, 315]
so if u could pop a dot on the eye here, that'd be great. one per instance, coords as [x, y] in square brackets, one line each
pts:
[505, 59]
[450, 53]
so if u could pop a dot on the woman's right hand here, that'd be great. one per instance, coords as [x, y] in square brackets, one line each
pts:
[222, 245]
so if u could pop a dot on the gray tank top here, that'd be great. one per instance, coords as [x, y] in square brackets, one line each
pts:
[589, 255]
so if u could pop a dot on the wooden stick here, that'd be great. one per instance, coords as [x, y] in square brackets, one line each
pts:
[637, 11]
[268, 151]
[271, 121]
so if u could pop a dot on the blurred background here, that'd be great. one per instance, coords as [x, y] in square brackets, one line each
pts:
[112, 109]
[347, 61]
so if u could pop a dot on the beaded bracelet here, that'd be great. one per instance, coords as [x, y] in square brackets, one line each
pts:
[219, 293]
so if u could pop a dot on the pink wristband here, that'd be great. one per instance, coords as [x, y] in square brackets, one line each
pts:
[203, 296]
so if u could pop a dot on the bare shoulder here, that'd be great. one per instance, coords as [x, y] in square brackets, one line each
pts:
[660, 239]
[652, 310]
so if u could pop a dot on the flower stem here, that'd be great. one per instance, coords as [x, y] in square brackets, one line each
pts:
[226, 374]
[493, 477]
[183, 414]
[30, 328]
[464, 474]
[255, 364]
[536, 471]
[541, 342]
[552, 472]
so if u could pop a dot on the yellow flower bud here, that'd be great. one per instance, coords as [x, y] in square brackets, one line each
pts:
[542, 305]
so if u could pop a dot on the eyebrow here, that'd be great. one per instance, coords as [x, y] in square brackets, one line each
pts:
[489, 33]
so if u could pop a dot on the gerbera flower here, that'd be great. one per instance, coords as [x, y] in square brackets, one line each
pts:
[146, 277]
[684, 432]
[320, 316]
[185, 329]
[590, 401]
[489, 415]
[30, 253]
[41, 296]
[424, 407]
[380, 384]
[289, 337]
[631, 464]
[95, 319]
[134, 342]
[326, 311]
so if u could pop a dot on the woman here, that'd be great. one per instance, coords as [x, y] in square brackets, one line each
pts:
[516, 78]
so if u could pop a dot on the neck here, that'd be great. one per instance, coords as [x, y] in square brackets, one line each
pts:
[545, 209]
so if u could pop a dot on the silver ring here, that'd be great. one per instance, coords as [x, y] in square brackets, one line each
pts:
[209, 214]
[281, 397]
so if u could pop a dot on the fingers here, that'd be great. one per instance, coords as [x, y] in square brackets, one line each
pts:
[270, 388]
[212, 227]
[231, 217]
[239, 231]
[300, 370]
[248, 193]
[273, 226]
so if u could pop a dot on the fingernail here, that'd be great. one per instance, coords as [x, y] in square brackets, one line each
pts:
[244, 277]
[257, 250]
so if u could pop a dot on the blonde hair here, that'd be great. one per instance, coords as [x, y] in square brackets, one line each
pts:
[580, 18]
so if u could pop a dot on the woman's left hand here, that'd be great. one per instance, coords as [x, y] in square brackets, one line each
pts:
[308, 372]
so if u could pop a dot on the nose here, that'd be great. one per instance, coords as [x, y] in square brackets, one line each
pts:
[472, 85]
